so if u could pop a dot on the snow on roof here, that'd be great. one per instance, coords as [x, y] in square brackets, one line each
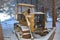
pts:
[37, 13]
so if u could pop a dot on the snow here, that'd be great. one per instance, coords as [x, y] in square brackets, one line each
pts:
[49, 19]
[8, 27]
[4, 16]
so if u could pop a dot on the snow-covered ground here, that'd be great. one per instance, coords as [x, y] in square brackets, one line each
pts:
[8, 27]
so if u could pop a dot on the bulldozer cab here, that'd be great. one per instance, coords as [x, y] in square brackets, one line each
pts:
[22, 11]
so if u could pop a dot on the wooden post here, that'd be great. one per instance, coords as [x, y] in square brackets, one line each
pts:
[44, 11]
[1, 35]
[54, 13]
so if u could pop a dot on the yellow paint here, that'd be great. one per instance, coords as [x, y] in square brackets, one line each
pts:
[27, 5]
[31, 20]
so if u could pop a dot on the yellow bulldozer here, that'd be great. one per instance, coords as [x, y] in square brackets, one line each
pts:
[33, 22]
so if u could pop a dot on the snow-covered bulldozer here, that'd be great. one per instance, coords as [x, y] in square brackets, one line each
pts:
[30, 22]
